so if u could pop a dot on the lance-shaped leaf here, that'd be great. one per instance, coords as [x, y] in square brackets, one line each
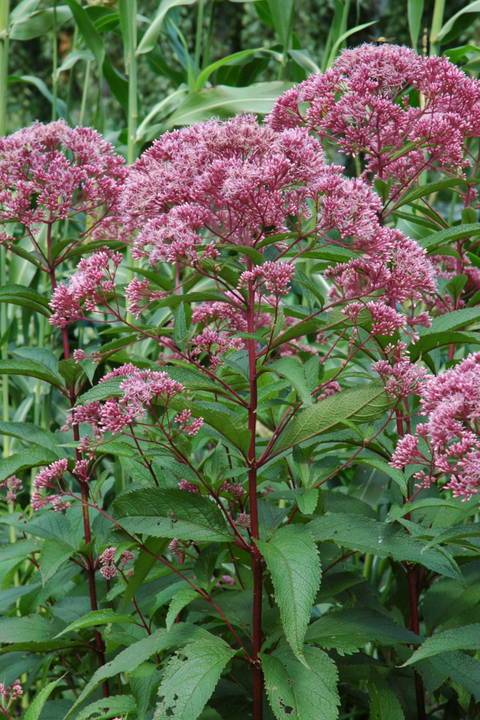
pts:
[133, 656]
[179, 601]
[292, 558]
[54, 553]
[384, 703]
[360, 404]
[462, 638]
[349, 629]
[96, 617]
[30, 368]
[445, 330]
[117, 705]
[190, 678]
[171, 513]
[25, 297]
[149, 40]
[312, 693]
[364, 534]
[445, 237]
[33, 712]
[460, 667]
[31, 458]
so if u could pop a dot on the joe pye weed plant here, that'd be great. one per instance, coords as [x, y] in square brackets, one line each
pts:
[199, 542]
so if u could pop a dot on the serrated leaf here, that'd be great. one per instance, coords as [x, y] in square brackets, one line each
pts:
[24, 460]
[180, 328]
[142, 681]
[28, 432]
[30, 369]
[33, 712]
[397, 475]
[18, 549]
[190, 678]
[307, 501]
[364, 534]
[103, 391]
[364, 403]
[171, 513]
[444, 330]
[30, 628]
[292, 369]
[450, 235]
[384, 703]
[462, 638]
[461, 667]
[349, 629]
[54, 553]
[292, 558]
[180, 600]
[96, 617]
[308, 692]
[129, 659]
[25, 297]
[117, 705]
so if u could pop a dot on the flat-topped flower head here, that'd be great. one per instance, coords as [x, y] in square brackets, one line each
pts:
[51, 172]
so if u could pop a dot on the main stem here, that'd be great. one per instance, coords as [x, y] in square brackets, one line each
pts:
[252, 492]
[99, 647]
[419, 691]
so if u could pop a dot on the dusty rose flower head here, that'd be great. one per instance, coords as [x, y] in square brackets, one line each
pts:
[49, 478]
[362, 103]
[51, 172]
[448, 444]
[13, 485]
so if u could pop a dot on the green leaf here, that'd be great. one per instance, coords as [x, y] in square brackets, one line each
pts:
[129, 659]
[149, 40]
[109, 388]
[28, 432]
[442, 331]
[190, 678]
[308, 692]
[30, 369]
[72, 58]
[54, 554]
[38, 23]
[364, 403]
[18, 549]
[462, 638]
[143, 565]
[205, 74]
[142, 681]
[424, 190]
[292, 558]
[180, 328]
[171, 513]
[343, 37]
[30, 628]
[384, 703]
[364, 534]
[292, 369]
[33, 712]
[92, 39]
[281, 12]
[31, 458]
[117, 705]
[219, 418]
[96, 617]
[397, 475]
[180, 600]
[445, 237]
[415, 12]
[349, 629]
[224, 101]
[307, 501]
[25, 297]
[448, 31]
[461, 667]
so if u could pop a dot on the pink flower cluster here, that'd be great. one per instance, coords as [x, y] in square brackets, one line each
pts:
[218, 183]
[275, 276]
[91, 285]
[448, 444]
[51, 172]
[13, 485]
[107, 561]
[11, 692]
[50, 478]
[362, 103]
